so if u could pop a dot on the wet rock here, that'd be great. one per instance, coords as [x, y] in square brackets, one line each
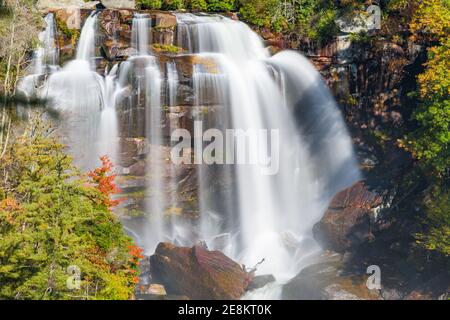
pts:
[436, 288]
[260, 281]
[391, 294]
[156, 289]
[164, 19]
[350, 218]
[326, 280]
[128, 4]
[198, 273]
[131, 150]
[52, 4]
[164, 36]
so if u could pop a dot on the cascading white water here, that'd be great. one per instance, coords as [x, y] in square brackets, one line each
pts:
[108, 123]
[82, 95]
[266, 216]
[47, 53]
[139, 86]
[285, 93]
[86, 43]
[140, 35]
[172, 83]
[45, 59]
[156, 190]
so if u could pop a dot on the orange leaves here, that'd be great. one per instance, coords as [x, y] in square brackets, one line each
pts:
[9, 206]
[103, 177]
[135, 253]
[432, 19]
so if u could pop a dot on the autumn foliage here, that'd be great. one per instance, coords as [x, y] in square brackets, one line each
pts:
[52, 217]
[135, 257]
[103, 178]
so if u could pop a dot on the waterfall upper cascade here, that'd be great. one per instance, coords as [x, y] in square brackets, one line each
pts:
[45, 58]
[283, 92]
[237, 85]
[85, 98]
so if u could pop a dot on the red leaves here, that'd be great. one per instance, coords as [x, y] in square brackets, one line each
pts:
[10, 207]
[136, 255]
[103, 178]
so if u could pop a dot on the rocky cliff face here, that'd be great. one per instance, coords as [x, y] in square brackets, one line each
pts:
[114, 45]
[370, 78]
[46, 5]
[198, 273]
[375, 220]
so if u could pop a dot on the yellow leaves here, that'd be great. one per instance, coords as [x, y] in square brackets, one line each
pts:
[432, 17]
[9, 207]
[435, 80]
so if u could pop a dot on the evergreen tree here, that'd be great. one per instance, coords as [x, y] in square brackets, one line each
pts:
[59, 238]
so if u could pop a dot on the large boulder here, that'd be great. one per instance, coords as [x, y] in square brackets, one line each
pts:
[198, 273]
[350, 219]
[438, 287]
[52, 4]
[120, 4]
[327, 280]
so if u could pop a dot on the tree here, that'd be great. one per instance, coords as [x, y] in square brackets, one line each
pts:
[55, 222]
[172, 4]
[197, 5]
[220, 5]
[431, 141]
[19, 27]
[437, 237]
[149, 4]
[263, 13]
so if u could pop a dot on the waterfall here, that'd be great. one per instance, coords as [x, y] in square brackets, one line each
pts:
[140, 86]
[285, 93]
[45, 59]
[243, 210]
[172, 83]
[46, 56]
[140, 36]
[86, 43]
[84, 97]
[156, 164]
[108, 144]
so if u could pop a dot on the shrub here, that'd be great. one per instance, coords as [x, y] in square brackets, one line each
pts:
[149, 4]
[172, 4]
[197, 5]
[220, 5]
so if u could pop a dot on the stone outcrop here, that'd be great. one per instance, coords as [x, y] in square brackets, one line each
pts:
[54, 4]
[436, 288]
[260, 281]
[350, 219]
[119, 4]
[198, 273]
[326, 280]
[114, 46]
[64, 4]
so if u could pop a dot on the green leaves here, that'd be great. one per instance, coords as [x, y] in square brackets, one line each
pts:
[431, 141]
[437, 208]
[51, 217]
[149, 4]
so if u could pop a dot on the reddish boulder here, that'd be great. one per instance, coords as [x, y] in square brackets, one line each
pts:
[198, 273]
[349, 219]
